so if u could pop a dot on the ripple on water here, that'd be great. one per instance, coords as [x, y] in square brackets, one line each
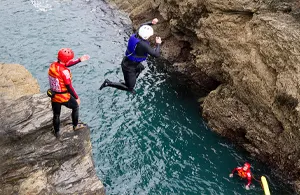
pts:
[42, 5]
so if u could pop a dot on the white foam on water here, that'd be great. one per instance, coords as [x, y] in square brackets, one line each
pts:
[41, 5]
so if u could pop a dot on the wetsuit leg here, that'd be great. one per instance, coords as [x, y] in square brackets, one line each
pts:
[56, 108]
[129, 69]
[116, 85]
[139, 69]
[72, 104]
[130, 79]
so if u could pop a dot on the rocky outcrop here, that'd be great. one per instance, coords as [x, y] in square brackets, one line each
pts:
[16, 81]
[33, 161]
[246, 54]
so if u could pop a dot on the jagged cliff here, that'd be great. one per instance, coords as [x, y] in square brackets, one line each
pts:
[246, 56]
[33, 161]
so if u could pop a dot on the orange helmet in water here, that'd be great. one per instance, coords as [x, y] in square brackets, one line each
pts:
[65, 55]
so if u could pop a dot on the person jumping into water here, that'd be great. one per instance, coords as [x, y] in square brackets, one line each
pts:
[244, 172]
[137, 51]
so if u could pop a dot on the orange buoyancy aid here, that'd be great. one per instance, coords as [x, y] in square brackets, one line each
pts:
[59, 76]
[242, 173]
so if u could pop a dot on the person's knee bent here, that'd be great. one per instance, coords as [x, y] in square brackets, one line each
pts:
[131, 89]
[130, 82]
[141, 67]
[130, 86]
[75, 108]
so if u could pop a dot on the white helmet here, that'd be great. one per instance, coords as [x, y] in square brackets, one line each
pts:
[145, 31]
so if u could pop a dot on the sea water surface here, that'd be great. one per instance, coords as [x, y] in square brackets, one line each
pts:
[154, 142]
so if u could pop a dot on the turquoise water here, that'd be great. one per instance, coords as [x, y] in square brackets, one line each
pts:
[152, 143]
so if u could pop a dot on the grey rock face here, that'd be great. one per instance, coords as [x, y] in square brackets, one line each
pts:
[33, 161]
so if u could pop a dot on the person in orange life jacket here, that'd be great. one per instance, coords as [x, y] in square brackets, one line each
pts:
[137, 51]
[244, 172]
[61, 85]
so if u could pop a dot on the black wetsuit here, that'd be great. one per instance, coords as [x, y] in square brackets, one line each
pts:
[131, 70]
[72, 104]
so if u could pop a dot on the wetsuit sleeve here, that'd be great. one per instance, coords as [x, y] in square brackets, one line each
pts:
[157, 49]
[73, 62]
[72, 91]
[146, 23]
[235, 169]
[146, 48]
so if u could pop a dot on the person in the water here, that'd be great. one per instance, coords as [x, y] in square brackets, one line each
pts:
[61, 90]
[137, 51]
[244, 172]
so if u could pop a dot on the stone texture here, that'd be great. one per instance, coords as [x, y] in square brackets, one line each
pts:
[16, 81]
[246, 55]
[33, 161]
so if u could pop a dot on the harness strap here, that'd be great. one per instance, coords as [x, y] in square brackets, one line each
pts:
[133, 52]
[62, 92]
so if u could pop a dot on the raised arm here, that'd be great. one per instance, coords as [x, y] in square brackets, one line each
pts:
[150, 23]
[234, 170]
[74, 62]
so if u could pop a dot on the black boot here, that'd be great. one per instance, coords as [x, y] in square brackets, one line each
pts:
[105, 84]
[56, 134]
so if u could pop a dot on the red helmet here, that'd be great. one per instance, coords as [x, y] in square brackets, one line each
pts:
[247, 165]
[65, 55]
